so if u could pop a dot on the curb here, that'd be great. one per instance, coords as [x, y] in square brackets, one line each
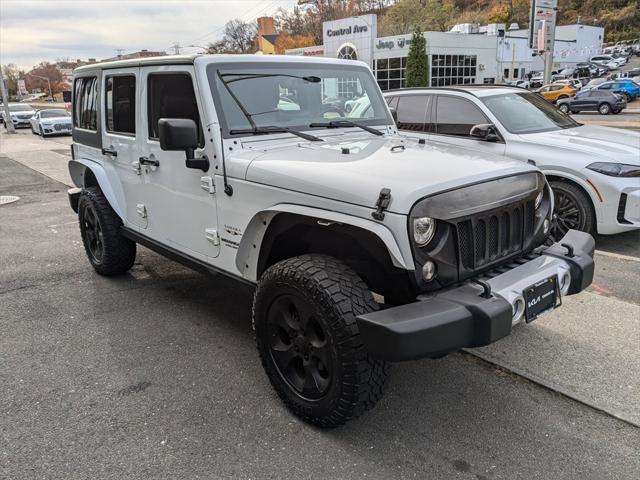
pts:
[550, 385]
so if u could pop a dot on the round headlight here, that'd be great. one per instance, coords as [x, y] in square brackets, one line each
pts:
[423, 230]
[539, 198]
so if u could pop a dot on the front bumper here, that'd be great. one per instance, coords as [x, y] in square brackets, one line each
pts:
[470, 315]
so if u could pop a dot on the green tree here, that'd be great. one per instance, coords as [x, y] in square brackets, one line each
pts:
[417, 73]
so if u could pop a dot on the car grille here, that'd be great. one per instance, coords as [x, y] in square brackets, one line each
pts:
[487, 238]
[61, 126]
[24, 117]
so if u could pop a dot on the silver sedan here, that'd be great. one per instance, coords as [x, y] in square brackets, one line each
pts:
[53, 121]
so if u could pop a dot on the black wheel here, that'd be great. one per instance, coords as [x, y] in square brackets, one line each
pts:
[573, 209]
[304, 316]
[564, 108]
[109, 252]
[604, 109]
[629, 97]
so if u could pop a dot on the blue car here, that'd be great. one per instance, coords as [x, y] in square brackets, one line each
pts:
[627, 88]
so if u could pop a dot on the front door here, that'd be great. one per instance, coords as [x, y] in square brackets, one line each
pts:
[453, 118]
[181, 205]
[120, 135]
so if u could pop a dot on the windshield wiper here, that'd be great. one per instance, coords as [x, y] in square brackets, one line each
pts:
[275, 129]
[345, 123]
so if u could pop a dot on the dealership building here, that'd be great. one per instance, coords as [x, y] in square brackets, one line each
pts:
[466, 54]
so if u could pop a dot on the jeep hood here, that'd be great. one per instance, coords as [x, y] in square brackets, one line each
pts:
[355, 171]
[599, 143]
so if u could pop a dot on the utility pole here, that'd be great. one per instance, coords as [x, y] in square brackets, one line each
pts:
[5, 103]
[176, 48]
[119, 52]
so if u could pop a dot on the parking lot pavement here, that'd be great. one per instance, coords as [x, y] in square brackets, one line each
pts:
[154, 375]
[626, 120]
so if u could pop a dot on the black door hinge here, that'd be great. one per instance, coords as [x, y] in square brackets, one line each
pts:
[384, 199]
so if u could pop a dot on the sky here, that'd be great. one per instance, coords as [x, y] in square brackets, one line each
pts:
[46, 30]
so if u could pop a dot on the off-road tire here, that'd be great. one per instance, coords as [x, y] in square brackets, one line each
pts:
[118, 252]
[604, 109]
[585, 218]
[335, 295]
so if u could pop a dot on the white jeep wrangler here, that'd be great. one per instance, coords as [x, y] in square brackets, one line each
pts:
[365, 247]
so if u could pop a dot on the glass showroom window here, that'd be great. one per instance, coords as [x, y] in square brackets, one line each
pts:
[453, 70]
[390, 72]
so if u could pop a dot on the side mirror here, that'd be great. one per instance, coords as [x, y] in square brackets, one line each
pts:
[182, 134]
[485, 131]
[394, 114]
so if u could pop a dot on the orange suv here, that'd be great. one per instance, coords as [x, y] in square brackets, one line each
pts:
[555, 91]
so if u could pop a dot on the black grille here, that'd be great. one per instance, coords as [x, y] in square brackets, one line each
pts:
[487, 238]
[622, 206]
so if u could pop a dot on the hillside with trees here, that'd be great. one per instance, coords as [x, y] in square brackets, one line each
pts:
[620, 18]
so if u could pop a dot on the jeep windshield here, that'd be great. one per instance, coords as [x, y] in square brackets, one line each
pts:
[272, 98]
[524, 112]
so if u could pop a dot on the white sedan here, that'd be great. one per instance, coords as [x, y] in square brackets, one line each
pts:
[594, 171]
[53, 121]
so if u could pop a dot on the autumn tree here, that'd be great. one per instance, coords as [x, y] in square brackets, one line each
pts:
[11, 75]
[408, 15]
[287, 42]
[417, 72]
[46, 70]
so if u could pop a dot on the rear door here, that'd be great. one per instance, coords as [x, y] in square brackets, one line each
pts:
[181, 202]
[453, 119]
[582, 101]
[120, 137]
[413, 112]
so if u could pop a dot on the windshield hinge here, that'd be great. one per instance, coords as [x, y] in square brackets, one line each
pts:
[384, 199]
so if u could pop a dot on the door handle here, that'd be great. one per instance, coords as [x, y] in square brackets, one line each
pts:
[110, 151]
[149, 161]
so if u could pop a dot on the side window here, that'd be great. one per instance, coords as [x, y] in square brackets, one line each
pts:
[606, 86]
[456, 116]
[412, 112]
[120, 104]
[172, 96]
[85, 113]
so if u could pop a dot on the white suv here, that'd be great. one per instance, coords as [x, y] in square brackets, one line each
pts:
[364, 247]
[594, 171]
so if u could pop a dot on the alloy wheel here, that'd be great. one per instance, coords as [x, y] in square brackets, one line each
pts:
[567, 214]
[93, 233]
[299, 346]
